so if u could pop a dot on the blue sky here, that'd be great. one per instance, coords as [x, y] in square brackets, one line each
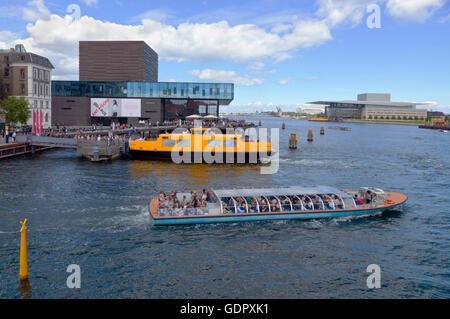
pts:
[278, 53]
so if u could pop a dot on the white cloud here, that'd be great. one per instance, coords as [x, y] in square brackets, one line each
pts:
[311, 78]
[90, 3]
[414, 10]
[284, 81]
[195, 42]
[445, 19]
[225, 76]
[36, 11]
[154, 14]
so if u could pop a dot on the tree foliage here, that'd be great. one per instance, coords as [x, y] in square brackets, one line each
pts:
[15, 110]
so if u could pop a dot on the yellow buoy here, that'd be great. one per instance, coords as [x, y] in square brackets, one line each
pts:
[23, 272]
[293, 142]
[310, 136]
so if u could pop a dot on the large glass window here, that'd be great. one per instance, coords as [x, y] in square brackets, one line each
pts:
[215, 143]
[168, 142]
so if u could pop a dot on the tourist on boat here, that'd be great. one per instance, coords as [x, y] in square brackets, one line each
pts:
[226, 208]
[240, 205]
[263, 206]
[369, 197]
[336, 201]
[286, 204]
[317, 204]
[205, 195]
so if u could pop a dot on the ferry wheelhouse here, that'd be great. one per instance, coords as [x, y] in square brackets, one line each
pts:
[205, 144]
[220, 206]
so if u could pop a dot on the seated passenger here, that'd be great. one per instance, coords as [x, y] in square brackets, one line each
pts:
[317, 204]
[253, 206]
[226, 208]
[275, 205]
[240, 206]
[286, 205]
[263, 206]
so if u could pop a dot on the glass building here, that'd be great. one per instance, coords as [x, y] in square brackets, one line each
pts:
[161, 101]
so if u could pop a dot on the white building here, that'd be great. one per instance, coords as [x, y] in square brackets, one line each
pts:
[28, 75]
[311, 109]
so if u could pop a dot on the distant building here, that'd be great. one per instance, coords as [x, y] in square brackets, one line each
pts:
[435, 114]
[371, 104]
[119, 83]
[311, 110]
[25, 74]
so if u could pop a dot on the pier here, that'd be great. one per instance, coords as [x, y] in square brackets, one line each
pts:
[94, 150]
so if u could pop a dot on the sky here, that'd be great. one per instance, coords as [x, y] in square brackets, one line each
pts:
[279, 53]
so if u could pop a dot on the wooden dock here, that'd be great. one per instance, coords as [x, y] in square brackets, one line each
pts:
[17, 149]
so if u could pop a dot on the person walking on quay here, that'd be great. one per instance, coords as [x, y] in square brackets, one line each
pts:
[14, 136]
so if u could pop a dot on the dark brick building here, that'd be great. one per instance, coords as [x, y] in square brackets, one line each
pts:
[132, 61]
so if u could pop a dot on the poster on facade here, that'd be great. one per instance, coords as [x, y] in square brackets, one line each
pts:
[110, 107]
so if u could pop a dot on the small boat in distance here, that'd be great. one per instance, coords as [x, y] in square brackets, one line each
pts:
[243, 205]
[317, 119]
[342, 128]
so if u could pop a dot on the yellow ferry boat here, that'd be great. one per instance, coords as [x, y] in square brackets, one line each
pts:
[201, 146]
[318, 119]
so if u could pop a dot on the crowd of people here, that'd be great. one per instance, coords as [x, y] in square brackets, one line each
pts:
[267, 204]
[192, 204]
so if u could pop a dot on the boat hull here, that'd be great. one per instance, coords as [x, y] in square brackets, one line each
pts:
[167, 156]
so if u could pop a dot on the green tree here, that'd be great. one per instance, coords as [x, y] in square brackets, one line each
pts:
[15, 110]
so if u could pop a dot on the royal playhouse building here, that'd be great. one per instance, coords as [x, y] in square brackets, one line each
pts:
[118, 82]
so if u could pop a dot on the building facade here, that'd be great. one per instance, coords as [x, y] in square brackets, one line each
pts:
[132, 61]
[371, 105]
[28, 75]
[311, 110]
[85, 103]
[119, 83]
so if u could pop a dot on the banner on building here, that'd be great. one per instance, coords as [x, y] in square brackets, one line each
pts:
[110, 107]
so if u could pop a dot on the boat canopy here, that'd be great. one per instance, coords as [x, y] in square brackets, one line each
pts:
[290, 191]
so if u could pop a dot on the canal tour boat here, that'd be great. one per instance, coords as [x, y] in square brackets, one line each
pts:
[200, 145]
[243, 205]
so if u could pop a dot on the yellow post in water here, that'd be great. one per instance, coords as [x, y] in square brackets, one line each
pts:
[23, 272]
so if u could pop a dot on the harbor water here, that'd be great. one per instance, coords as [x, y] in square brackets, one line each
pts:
[95, 215]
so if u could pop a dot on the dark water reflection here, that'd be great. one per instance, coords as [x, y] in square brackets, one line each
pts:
[95, 215]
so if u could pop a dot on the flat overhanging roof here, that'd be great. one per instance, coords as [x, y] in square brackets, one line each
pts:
[369, 103]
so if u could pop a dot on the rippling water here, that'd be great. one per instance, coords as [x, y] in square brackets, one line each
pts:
[95, 215]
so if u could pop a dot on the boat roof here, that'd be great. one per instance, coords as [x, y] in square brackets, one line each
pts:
[295, 190]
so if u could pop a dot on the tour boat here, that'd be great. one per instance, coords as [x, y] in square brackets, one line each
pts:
[202, 146]
[243, 205]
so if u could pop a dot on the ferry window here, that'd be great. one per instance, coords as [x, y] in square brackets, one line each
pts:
[215, 143]
[184, 143]
[168, 142]
[230, 143]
